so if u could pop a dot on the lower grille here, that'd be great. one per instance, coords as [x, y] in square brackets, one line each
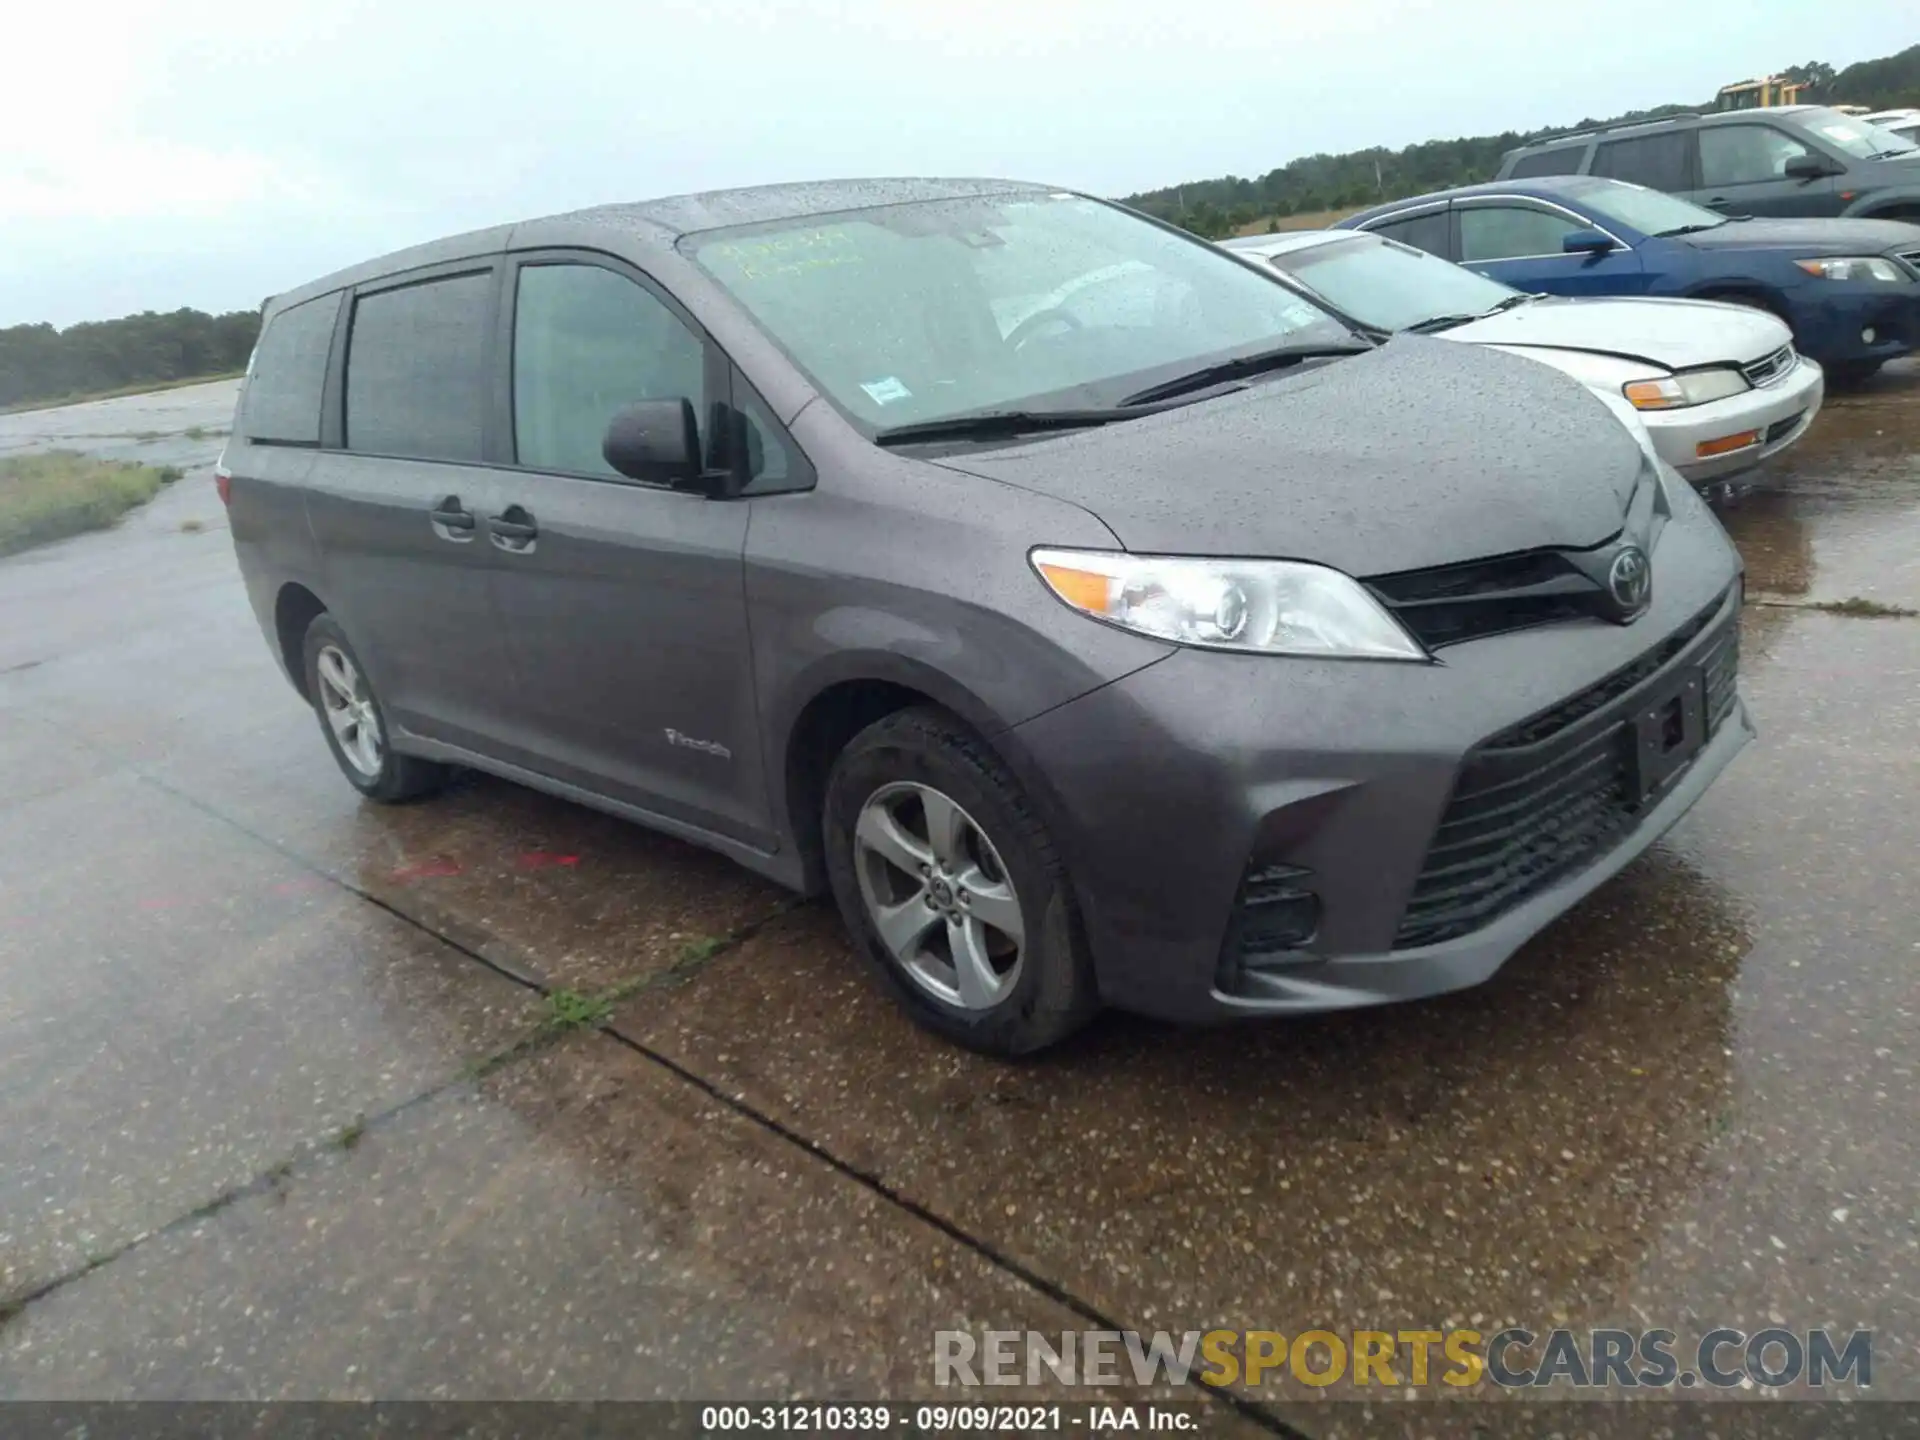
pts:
[1547, 797]
[1780, 429]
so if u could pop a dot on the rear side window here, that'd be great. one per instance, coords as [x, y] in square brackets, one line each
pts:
[416, 369]
[1426, 232]
[1564, 161]
[1659, 162]
[289, 369]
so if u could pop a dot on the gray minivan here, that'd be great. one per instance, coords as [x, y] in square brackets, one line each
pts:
[1097, 619]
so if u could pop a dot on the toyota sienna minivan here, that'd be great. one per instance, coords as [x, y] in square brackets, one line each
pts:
[1095, 618]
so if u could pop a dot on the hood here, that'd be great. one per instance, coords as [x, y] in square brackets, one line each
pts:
[1419, 453]
[1813, 237]
[1678, 334]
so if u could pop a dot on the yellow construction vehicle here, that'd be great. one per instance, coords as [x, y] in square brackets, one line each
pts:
[1758, 94]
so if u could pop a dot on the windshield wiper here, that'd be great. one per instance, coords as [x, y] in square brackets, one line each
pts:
[986, 423]
[1447, 322]
[1443, 322]
[1238, 368]
[1891, 154]
[1690, 229]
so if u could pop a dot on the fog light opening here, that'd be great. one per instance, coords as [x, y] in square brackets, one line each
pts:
[1869, 335]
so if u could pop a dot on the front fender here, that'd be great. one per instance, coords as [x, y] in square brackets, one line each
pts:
[1876, 203]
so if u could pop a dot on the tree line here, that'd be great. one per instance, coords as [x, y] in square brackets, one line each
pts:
[1317, 183]
[38, 362]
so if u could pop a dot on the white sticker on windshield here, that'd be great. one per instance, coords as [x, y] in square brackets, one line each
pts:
[885, 392]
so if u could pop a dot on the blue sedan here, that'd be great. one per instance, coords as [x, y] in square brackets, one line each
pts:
[1850, 289]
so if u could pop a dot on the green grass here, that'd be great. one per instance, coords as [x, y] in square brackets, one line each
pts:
[49, 497]
[151, 387]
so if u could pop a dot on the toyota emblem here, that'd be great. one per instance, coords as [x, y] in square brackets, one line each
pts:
[1630, 581]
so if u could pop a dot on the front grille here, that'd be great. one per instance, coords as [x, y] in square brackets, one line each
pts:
[1769, 368]
[1452, 603]
[1548, 796]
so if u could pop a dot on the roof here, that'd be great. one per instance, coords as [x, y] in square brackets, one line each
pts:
[1547, 187]
[1619, 129]
[1285, 241]
[678, 215]
[661, 222]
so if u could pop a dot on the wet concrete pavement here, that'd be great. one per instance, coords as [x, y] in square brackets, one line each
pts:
[287, 1116]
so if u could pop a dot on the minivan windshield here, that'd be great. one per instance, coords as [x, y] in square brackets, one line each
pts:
[904, 314]
[1651, 212]
[1854, 137]
[1383, 283]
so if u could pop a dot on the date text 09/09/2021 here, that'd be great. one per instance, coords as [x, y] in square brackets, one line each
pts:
[935, 1419]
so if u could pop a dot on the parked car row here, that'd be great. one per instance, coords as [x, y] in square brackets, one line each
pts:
[1720, 388]
[1848, 289]
[1099, 618]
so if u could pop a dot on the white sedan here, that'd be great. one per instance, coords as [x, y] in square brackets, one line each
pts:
[1720, 387]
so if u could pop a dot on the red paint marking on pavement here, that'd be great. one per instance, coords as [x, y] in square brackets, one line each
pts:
[425, 869]
[540, 859]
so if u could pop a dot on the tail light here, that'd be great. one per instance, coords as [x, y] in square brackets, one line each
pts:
[223, 481]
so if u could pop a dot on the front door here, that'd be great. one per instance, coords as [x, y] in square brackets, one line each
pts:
[624, 604]
[1743, 171]
[1518, 243]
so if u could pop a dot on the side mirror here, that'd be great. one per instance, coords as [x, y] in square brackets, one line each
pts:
[1586, 242]
[1808, 167]
[655, 441]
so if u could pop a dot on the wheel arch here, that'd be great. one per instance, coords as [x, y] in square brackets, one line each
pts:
[294, 609]
[841, 698]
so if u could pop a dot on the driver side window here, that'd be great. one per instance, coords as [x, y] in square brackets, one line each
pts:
[587, 342]
[1510, 232]
[1746, 154]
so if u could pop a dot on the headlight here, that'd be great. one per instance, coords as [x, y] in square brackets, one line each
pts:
[1269, 607]
[1862, 267]
[1692, 387]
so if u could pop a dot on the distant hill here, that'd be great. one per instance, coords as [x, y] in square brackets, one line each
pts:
[39, 363]
[1314, 183]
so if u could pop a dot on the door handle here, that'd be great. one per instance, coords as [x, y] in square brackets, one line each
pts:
[1719, 202]
[451, 520]
[513, 529]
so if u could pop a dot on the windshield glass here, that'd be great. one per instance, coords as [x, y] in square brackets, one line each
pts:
[1649, 211]
[1854, 137]
[1390, 285]
[908, 313]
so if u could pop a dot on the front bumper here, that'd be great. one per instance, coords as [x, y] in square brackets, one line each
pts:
[1176, 785]
[1779, 413]
[1831, 320]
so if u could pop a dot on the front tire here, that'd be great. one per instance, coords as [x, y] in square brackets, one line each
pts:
[1851, 373]
[354, 723]
[951, 887]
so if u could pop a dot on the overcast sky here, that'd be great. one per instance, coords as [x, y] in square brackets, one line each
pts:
[211, 152]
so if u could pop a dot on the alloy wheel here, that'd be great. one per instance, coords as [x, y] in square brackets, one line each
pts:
[939, 895]
[348, 707]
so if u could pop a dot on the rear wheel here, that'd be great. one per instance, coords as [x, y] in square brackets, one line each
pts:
[952, 889]
[354, 723]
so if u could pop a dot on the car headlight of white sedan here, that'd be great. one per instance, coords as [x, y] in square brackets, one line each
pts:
[1687, 387]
